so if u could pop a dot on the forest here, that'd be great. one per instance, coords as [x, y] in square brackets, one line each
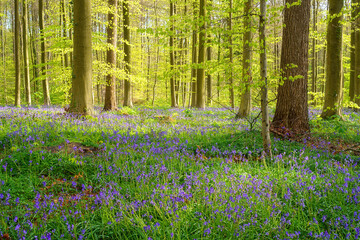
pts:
[180, 119]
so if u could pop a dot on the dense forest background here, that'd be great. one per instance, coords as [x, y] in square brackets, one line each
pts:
[164, 39]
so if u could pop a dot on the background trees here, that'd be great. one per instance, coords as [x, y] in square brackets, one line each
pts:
[217, 40]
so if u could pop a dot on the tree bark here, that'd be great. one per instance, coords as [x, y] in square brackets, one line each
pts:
[334, 76]
[172, 56]
[127, 52]
[292, 105]
[200, 80]
[245, 105]
[231, 80]
[265, 130]
[352, 51]
[357, 55]
[82, 100]
[314, 54]
[46, 92]
[17, 55]
[3, 44]
[209, 57]
[26, 54]
[194, 56]
[110, 97]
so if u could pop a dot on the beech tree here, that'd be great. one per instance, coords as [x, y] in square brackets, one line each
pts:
[17, 55]
[127, 54]
[200, 80]
[46, 91]
[292, 107]
[265, 124]
[172, 57]
[81, 100]
[245, 104]
[26, 54]
[110, 98]
[356, 52]
[334, 76]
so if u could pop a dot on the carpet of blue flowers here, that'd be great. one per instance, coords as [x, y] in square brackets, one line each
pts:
[170, 174]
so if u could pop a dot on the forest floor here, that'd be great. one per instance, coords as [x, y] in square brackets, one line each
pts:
[174, 174]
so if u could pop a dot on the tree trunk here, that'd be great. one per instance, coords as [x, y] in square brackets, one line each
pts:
[26, 54]
[46, 93]
[245, 105]
[3, 44]
[231, 80]
[292, 105]
[352, 51]
[334, 76]
[110, 97]
[172, 56]
[200, 80]
[82, 100]
[314, 54]
[265, 132]
[357, 55]
[127, 52]
[64, 32]
[17, 55]
[209, 57]
[194, 56]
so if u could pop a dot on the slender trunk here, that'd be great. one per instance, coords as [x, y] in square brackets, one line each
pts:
[46, 93]
[194, 56]
[172, 56]
[352, 52]
[209, 57]
[64, 32]
[357, 55]
[314, 54]
[127, 52]
[3, 41]
[245, 105]
[148, 69]
[218, 76]
[334, 76]
[231, 80]
[17, 55]
[157, 53]
[26, 54]
[264, 88]
[110, 96]
[200, 80]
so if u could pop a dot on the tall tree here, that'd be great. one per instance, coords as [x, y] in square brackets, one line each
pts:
[357, 53]
[194, 54]
[172, 56]
[314, 53]
[200, 80]
[245, 105]
[17, 54]
[26, 54]
[127, 52]
[352, 50]
[292, 106]
[209, 56]
[334, 76]
[231, 80]
[46, 92]
[264, 88]
[110, 98]
[81, 100]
